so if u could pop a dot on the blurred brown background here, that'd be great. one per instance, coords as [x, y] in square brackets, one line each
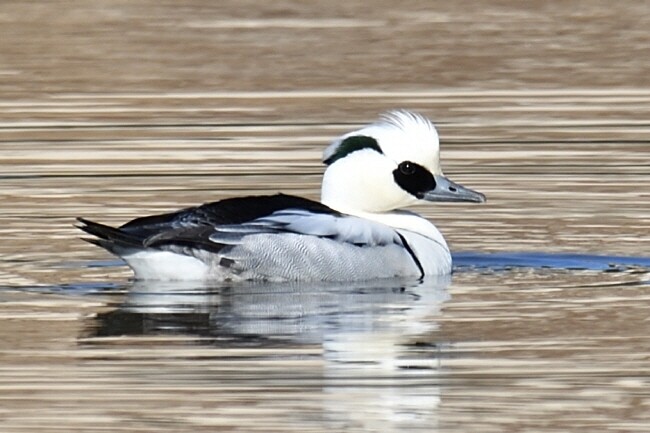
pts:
[152, 46]
[116, 109]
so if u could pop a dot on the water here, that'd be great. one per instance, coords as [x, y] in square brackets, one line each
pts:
[131, 109]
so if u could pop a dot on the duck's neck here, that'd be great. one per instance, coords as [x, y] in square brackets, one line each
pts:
[397, 219]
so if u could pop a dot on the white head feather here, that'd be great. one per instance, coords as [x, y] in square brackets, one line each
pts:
[361, 181]
[402, 136]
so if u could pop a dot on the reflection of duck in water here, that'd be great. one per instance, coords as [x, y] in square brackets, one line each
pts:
[295, 310]
[369, 347]
[356, 233]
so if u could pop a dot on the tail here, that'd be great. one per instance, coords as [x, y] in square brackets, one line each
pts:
[113, 239]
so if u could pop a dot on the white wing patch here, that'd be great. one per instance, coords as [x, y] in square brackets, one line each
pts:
[295, 244]
[348, 229]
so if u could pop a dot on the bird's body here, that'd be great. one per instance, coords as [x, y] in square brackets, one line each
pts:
[357, 232]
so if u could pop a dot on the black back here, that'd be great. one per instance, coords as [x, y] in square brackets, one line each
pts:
[228, 211]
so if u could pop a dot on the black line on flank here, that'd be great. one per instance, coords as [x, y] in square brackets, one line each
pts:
[412, 254]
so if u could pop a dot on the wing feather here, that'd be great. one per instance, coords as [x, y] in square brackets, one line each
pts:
[275, 240]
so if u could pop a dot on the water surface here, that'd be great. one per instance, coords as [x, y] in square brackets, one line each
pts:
[131, 109]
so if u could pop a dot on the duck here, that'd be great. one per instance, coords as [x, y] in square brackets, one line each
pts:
[359, 230]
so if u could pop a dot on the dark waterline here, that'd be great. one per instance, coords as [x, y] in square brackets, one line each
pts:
[500, 261]
[467, 260]
[464, 262]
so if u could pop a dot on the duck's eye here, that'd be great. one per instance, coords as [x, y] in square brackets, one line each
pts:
[407, 168]
[413, 178]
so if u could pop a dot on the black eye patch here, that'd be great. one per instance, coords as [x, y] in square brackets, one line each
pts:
[413, 178]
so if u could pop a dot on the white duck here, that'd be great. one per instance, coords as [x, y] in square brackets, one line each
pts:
[356, 232]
